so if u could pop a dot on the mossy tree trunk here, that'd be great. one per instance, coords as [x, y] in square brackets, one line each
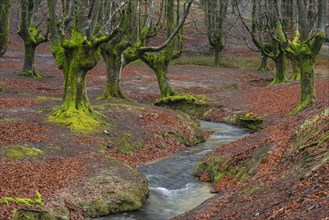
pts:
[295, 72]
[280, 69]
[307, 81]
[31, 36]
[263, 63]
[4, 25]
[81, 56]
[163, 81]
[215, 12]
[76, 55]
[273, 48]
[306, 53]
[76, 111]
[159, 63]
[307, 50]
[160, 66]
[29, 54]
[218, 49]
[111, 53]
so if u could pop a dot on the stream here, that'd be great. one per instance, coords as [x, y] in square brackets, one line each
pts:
[173, 189]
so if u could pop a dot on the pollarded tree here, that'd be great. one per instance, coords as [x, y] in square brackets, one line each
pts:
[135, 32]
[4, 25]
[288, 21]
[215, 11]
[76, 47]
[274, 47]
[30, 34]
[307, 49]
[159, 62]
[113, 49]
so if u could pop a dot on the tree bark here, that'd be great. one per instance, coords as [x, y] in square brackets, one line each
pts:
[112, 57]
[280, 69]
[28, 67]
[263, 64]
[215, 12]
[4, 25]
[217, 61]
[80, 57]
[30, 35]
[163, 82]
[295, 75]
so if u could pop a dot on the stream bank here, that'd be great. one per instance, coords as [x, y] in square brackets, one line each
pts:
[173, 189]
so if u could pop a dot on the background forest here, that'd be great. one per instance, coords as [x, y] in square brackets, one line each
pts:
[91, 91]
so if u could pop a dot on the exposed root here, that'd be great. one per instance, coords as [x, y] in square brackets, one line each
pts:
[32, 74]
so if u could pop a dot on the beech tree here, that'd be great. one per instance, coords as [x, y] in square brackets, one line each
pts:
[273, 46]
[112, 50]
[30, 34]
[136, 30]
[4, 25]
[159, 62]
[215, 12]
[307, 48]
[76, 47]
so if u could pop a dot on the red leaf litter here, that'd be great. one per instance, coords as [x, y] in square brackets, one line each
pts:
[24, 178]
[16, 102]
[22, 132]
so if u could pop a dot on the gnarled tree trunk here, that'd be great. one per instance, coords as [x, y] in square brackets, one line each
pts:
[30, 35]
[4, 25]
[281, 69]
[263, 63]
[112, 55]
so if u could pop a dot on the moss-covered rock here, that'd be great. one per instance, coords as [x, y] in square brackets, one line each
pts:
[112, 188]
[194, 105]
[26, 214]
[251, 121]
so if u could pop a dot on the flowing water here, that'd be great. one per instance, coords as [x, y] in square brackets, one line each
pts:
[173, 189]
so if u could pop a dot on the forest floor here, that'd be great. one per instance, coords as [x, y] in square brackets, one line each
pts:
[278, 188]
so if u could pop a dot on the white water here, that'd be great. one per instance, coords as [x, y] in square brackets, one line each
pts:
[173, 189]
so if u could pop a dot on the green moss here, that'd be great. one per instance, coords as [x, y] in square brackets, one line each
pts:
[53, 147]
[76, 120]
[2, 89]
[47, 98]
[118, 105]
[24, 214]
[25, 201]
[194, 105]
[249, 189]
[35, 35]
[21, 152]
[29, 214]
[98, 208]
[126, 201]
[309, 140]
[58, 52]
[251, 121]
[178, 98]
[126, 145]
[31, 73]
[217, 167]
